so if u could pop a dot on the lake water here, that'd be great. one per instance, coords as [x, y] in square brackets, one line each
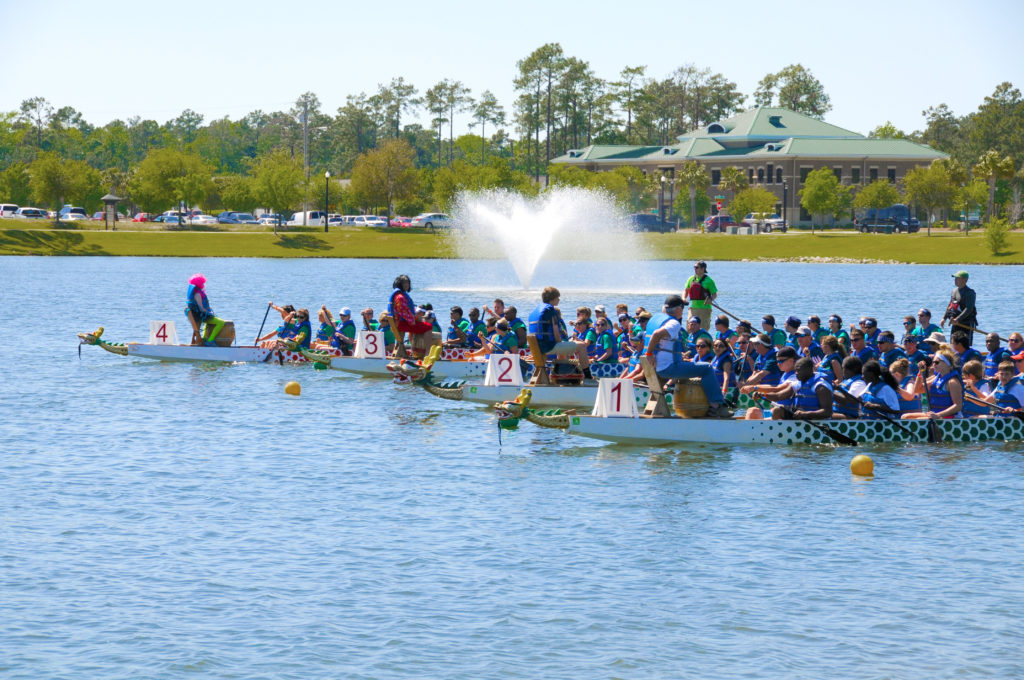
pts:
[171, 520]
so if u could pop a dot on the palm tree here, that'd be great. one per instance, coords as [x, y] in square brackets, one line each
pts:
[734, 180]
[991, 167]
[695, 177]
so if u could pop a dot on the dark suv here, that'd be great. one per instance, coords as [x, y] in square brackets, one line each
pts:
[895, 219]
[648, 222]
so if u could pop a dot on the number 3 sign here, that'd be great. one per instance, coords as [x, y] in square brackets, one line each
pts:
[615, 399]
[370, 345]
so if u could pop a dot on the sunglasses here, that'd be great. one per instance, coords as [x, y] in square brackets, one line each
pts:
[1016, 340]
[703, 344]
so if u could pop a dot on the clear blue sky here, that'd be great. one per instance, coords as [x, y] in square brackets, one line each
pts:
[118, 58]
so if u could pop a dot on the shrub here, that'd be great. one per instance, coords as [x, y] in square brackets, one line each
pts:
[997, 235]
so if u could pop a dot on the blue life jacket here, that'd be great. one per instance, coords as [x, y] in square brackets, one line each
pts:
[391, 302]
[609, 337]
[813, 351]
[287, 331]
[544, 331]
[825, 367]
[473, 336]
[821, 333]
[914, 405]
[873, 395]
[1003, 396]
[691, 340]
[657, 321]
[740, 368]
[806, 398]
[871, 339]
[939, 398]
[918, 356]
[993, 360]
[892, 356]
[463, 325]
[788, 376]
[304, 327]
[762, 364]
[339, 332]
[866, 354]
[969, 354]
[716, 365]
[791, 340]
[200, 312]
[843, 409]
[325, 332]
[725, 335]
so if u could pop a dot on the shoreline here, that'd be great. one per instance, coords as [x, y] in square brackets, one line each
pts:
[830, 247]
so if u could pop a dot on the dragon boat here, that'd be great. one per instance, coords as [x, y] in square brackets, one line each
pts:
[445, 362]
[194, 353]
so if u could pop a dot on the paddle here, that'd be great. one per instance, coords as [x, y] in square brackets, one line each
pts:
[269, 305]
[1017, 413]
[978, 330]
[729, 314]
[888, 416]
[934, 435]
[837, 437]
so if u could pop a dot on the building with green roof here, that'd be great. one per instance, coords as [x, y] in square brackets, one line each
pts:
[776, 147]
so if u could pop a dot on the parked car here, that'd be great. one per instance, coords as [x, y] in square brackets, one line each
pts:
[203, 219]
[648, 222]
[227, 217]
[8, 209]
[143, 217]
[369, 221]
[768, 222]
[895, 219]
[400, 221]
[269, 220]
[313, 218]
[174, 220]
[31, 214]
[336, 221]
[718, 223]
[431, 220]
[71, 213]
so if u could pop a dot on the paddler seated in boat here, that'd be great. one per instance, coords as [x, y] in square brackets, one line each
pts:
[997, 354]
[914, 354]
[663, 351]
[945, 387]
[882, 394]
[285, 331]
[723, 332]
[504, 340]
[600, 312]
[634, 371]
[344, 336]
[792, 328]
[516, 325]
[831, 365]
[303, 332]
[1018, 363]
[1009, 391]
[806, 346]
[545, 323]
[431, 316]
[459, 330]
[585, 336]
[908, 392]
[976, 386]
[498, 311]
[488, 336]
[623, 337]
[933, 343]
[962, 346]
[402, 309]
[845, 402]
[743, 358]
[807, 396]
[786, 360]
[888, 350]
[835, 327]
[766, 363]
[722, 362]
[369, 323]
[199, 312]
[474, 339]
[623, 308]
[925, 327]
[871, 332]
[859, 347]
[776, 336]
[326, 330]
[607, 351]
[814, 323]
[389, 337]
[695, 332]
[1014, 344]
[702, 352]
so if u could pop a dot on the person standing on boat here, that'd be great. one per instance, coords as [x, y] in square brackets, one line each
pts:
[663, 350]
[402, 309]
[198, 311]
[700, 292]
[962, 312]
[545, 323]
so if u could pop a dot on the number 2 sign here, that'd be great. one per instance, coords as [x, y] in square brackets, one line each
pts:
[162, 333]
[503, 371]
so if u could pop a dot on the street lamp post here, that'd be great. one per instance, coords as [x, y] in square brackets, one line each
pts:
[327, 194]
[661, 201]
[785, 200]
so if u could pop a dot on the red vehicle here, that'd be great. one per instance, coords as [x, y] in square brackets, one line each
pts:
[143, 217]
[718, 223]
[399, 221]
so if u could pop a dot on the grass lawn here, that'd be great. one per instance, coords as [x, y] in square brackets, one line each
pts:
[942, 247]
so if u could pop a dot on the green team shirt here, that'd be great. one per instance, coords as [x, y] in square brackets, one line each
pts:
[707, 284]
[606, 342]
[778, 338]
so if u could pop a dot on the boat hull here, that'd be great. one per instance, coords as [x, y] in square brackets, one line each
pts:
[670, 431]
[196, 353]
[567, 396]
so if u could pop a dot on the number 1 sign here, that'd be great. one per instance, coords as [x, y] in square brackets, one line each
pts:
[615, 399]
[162, 333]
[369, 345]
[503, 371]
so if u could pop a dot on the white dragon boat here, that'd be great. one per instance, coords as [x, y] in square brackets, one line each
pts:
[195, 353]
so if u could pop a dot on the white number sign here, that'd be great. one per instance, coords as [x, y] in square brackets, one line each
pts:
[503, 370]
[162, 333]
[615, 399]
[370, 345]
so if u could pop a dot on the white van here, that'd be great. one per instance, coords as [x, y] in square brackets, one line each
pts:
[8, 209]
[313, 218]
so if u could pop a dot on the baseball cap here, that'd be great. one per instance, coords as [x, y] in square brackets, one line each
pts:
[805, 332]
[761, 339]
[600, 308]
[910, 337]
[792, 321]
[674, 301]
[786, 352]
[694, 319]
[962, 274]
[345, 311]
[870, 322]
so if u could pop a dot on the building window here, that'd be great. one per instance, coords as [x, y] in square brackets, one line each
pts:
[750, 175]
[872, 174]
[892, 175]
[760, 175]
[716, 177]
[839, 174]
[771, 174]
[803, 174]
[804, 215]
[855, 175]
[778, 175]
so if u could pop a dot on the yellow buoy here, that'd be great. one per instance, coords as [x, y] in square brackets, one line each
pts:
[862, 465]
[292, 388]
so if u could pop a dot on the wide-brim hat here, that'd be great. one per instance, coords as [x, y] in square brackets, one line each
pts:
[936, 337]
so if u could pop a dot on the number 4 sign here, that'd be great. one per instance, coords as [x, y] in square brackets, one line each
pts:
[615, 399]
[503, 371]
[369, 345]
[162, 333]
